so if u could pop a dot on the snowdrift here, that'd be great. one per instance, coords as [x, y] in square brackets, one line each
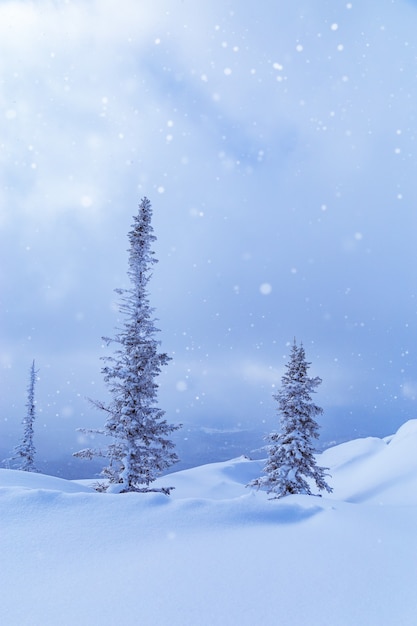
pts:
[376, 471]
[215, 552]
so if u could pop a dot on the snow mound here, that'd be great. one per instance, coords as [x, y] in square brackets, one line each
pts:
[375, 471]
[215, 481]
[29, 480]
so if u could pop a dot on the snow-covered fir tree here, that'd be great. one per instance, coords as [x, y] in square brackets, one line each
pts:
[291, 465]
[24, 453]
[141, 446]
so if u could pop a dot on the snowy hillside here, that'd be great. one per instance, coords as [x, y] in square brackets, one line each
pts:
[216, 553]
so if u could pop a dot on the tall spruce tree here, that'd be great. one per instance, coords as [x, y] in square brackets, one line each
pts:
[141, 447]
[291, 462]
[24, 453]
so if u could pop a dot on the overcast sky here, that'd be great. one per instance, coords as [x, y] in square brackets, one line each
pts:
[276, 141]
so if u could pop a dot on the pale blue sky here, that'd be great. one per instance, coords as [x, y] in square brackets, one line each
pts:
[276, 142]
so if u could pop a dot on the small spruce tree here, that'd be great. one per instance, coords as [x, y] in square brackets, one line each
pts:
[141, 447]
[291, 462]
[24, 453]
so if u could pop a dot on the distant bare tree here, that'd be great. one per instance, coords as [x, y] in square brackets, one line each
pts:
[24, 453]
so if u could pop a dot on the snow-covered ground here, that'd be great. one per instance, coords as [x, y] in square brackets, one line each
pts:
[214, 552]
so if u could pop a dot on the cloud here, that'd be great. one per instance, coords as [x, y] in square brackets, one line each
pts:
[283, 143]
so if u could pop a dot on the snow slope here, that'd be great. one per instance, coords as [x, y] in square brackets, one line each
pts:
[214, 552]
